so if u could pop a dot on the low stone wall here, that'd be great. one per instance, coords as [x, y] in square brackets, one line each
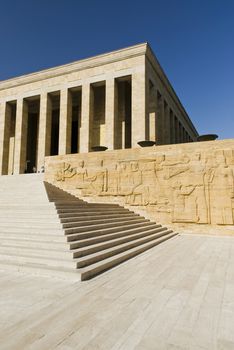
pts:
[181, 184]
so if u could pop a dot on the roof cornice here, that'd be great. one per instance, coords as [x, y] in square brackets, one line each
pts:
[95, 61]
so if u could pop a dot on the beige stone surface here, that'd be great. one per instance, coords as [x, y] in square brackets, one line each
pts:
[178, 295]
[86, 118]
[139, 108]
[111, 112]
[5, 123]
[187, 183]
[20, 137]
[65, 122]
[44, 139]
[126, 98]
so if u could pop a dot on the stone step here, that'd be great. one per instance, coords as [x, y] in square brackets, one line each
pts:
[117, 225]
[27, 208]
[93, 214]
[98, 233]
[47, 231]
[85, 242]
[30, 212]
[22, 216]
[34, 224]
[23, 200]
[66, 201]
[26, 177]
[87, 209]
[41, 261]
[104, 265]
[76, 203]
[33, 236]
[95, 211]
[71, 205]
[32, 191]
[92, 222]
[34, 269]
[95, 257]
[29, 230]
[97, 246]
[36, 252]
[96, 217]
[33, 243]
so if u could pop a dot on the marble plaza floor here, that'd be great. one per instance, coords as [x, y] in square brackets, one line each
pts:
[179, 295]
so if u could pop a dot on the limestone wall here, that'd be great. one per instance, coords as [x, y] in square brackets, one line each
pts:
[189, 183]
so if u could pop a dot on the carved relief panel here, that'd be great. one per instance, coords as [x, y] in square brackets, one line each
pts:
[195, 187]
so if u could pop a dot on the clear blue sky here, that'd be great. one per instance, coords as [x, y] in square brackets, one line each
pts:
[193, 40]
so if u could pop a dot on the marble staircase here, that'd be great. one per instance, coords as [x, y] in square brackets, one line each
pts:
[47, 231]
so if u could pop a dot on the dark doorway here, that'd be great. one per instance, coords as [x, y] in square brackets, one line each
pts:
[31, 155]
[128, 114]
[33, 108]
[76, 118]
[124, 118]
[55, 112]
[54, 133]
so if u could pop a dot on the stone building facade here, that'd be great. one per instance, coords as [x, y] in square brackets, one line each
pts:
[114, 100]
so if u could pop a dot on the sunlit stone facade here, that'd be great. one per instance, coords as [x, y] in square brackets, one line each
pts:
[115, 100]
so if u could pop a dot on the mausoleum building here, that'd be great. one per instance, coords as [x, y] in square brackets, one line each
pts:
[90, 211]
[114, 100]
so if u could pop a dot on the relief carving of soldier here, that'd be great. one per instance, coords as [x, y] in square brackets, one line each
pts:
[192, 189]
[135, 197]
[65, 173]
[81, 175]
[221, 192]
[92, 184]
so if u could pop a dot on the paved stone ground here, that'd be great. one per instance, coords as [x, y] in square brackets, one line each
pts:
[179, 295]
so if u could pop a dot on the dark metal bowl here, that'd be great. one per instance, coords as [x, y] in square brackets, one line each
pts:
[99, 148]
[207, 137]
[146, 143]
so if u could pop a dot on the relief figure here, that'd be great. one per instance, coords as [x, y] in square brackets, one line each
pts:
[221, 192]
[65, 173]
[193, 189]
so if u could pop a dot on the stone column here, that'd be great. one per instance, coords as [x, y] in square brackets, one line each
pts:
[139, 107]
[65, 122]
[86, 118]
[111, 113]
[159, 120]
[152, 114]
[44, 134]
[21, 129]
[152, 126]
[5, 129]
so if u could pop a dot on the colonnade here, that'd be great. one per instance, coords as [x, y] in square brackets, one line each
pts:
[128, 116]
[45, 125]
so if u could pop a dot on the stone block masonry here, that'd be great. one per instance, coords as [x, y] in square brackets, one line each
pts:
[189, 183]
[114, 100]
